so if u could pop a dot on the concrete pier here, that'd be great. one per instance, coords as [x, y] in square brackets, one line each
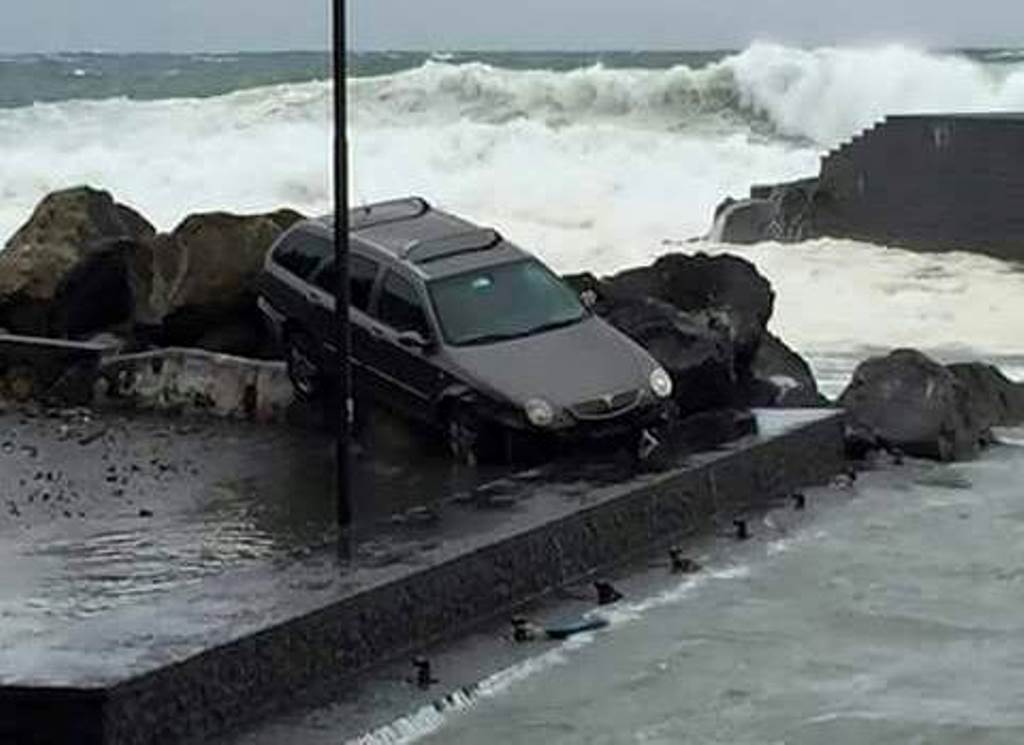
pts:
[294, 623]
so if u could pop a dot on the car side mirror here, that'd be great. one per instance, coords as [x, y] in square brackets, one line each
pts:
[414, 340]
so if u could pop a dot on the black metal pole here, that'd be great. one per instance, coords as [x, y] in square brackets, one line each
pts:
[340, 407]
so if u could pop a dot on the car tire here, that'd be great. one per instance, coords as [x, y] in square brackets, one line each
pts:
[465, 436]
[303, 368]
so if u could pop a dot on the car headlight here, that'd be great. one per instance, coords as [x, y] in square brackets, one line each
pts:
[661, 383]
[539, 412]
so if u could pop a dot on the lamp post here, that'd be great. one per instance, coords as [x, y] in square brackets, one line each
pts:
[340, 408]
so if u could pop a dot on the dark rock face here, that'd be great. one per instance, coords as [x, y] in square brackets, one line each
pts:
[45, 258]
[994, 399]
[200, 278]
[745, 221]
[908, 401]
[695, 351]
[704, 318]
[729, 285]
[784, 213]
[782, 378]
[95, 294]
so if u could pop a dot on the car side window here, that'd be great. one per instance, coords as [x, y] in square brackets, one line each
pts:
[361, 274]
[400, 306]
[301, 253]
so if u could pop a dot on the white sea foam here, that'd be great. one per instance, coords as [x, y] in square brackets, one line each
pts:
[431, 718]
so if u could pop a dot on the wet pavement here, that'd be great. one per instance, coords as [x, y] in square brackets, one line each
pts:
[98, 511]
[130, 543]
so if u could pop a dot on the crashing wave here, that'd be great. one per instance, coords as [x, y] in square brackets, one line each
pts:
[822, 95]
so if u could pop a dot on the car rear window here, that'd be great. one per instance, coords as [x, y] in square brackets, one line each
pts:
[301, 253]
[400, 306]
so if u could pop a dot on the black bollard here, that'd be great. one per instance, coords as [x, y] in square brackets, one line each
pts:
[522, 630]
[799, 501]
[606, 593]
[742, 530]
[424, 676]
[680, 564]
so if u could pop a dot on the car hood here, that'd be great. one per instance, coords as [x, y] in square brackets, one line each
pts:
[564, 367]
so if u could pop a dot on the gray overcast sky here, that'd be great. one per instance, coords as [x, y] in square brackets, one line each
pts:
[233, 25]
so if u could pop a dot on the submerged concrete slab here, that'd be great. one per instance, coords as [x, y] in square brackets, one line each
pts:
[295, 625]
[54, 369]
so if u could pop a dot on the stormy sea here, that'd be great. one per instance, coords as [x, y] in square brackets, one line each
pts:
[894, 617]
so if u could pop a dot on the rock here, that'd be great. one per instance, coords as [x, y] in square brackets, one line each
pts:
[908, 401]
[782, 212]
[694, 348]
[95, 294]
[698, 283]
[744, 221]
[202, 276]
[68, 229]
[994, 398]
[782, 378]
[285, 218]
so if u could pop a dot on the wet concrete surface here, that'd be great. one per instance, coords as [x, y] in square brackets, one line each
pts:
[101, 510]
[130, 544]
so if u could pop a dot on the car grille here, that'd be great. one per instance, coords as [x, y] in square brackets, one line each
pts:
[606, 406]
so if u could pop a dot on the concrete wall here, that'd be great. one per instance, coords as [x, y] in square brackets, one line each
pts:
[197, 381]
[929, 182]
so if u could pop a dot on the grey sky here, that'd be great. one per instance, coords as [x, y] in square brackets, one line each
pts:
[232, 25]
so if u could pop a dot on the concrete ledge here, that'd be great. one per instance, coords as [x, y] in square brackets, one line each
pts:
[48, 369]
[239, 651]
[197, 381]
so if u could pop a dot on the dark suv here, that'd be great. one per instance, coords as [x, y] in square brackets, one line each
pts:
[456, 327]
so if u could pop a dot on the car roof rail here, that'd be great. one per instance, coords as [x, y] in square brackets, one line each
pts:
[382, 213]
[435, 249]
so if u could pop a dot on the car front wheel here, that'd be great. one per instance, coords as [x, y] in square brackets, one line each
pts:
[464, 436]
[303, 370]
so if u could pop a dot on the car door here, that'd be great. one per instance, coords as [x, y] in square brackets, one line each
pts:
[362, 276]
[407, 377]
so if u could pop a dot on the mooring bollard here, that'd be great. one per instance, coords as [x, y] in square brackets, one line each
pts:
[799, 501]
[742, 529]
[606, 593]
[680, 564]
[523, 630]
[424, 676]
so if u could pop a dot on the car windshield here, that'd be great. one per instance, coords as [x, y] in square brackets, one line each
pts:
[503, 302]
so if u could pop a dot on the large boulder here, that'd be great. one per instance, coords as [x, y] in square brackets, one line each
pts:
[201, 277]
[908, 401]
[782, 378]
[695, 349]
[744, 221]
[994, 399]
[781, 212]
[723, 303]
[728, 285]
[69, 254]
